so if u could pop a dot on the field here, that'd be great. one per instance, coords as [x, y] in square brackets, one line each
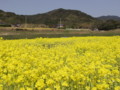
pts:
[30, 33]
[75, 63]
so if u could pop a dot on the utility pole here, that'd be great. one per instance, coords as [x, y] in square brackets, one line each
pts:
[25, 22]
[60, 23]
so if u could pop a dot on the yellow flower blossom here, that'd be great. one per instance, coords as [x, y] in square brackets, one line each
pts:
[65, 84]
[117, 88]
[76, 63]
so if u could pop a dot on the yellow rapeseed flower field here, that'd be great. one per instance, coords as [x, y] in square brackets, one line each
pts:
[75, 63]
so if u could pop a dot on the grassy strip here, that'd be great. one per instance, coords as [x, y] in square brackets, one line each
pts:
[13, 34]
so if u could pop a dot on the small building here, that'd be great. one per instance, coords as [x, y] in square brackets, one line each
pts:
[60, 26]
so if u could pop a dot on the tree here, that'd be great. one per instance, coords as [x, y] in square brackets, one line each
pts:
[106, 25]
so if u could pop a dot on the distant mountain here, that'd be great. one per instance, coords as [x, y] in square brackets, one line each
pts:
[69, 18]
[10, 18]
[109, 17]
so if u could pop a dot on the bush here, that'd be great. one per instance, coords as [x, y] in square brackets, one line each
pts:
[106, 25]
[5, 25]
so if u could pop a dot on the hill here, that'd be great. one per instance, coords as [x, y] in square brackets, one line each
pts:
[10, 18]
[109, 17]
[69, 18]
